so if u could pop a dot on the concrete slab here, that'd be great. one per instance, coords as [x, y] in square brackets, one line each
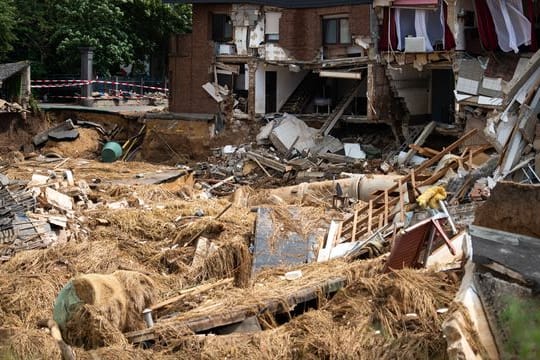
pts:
[277, 244]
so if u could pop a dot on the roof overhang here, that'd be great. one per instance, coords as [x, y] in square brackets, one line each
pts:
[296, 4]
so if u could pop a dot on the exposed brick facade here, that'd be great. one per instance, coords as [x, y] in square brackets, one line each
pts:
[190, 60]
[192, 55]
[300, 30]
[386, 107]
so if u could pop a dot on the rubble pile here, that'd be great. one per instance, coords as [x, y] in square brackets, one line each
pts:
[296, 244]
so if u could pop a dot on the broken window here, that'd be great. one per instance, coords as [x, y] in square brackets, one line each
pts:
[222, 28]
[271, 30]
[336, 31]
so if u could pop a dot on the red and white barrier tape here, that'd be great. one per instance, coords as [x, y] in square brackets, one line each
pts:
[59, 81]
[68, 83]
[136, 96]
[129, 84]
[66, 97]
[58, 85]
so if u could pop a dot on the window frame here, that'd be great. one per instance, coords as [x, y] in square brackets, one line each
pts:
[338, 39]
[227, 21]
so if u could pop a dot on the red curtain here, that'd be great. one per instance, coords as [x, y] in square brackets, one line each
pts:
[385, 36]
[449, 41]
[486, 28]
[529, 13]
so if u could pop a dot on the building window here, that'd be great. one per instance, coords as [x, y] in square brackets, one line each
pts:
[271, 29]
[222, 28]
[336, 31]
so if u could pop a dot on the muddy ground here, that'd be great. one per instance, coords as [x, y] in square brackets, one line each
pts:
[132, 227]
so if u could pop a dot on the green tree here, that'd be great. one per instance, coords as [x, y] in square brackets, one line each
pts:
[151, 23]
[35, 24]
[7, 24]
[50, 32]
[89, 23]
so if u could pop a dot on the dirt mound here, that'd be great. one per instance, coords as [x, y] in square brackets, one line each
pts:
[16, 131]
[87, 145]
[511, 207]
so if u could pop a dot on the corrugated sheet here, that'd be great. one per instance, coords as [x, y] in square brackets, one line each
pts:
[296, 4]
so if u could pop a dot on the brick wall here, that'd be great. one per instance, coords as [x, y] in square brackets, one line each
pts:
[191, 55]
[387, 109]
[190, 60]
[300, 30]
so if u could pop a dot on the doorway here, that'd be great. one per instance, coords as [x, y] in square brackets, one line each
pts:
[271, 92]
[442, 95]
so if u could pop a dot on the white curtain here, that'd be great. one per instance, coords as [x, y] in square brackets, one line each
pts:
[428, 24]
[512, 27]
[405, 19]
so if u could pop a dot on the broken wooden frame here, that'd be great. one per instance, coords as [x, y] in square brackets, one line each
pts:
[237, 314]
[366, 219]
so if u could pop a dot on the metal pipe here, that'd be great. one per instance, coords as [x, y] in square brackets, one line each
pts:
[147, 314]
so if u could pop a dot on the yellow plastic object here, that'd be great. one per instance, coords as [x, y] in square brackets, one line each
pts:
[430, 197]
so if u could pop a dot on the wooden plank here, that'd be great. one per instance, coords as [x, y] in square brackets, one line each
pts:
[386, 207]
[507, 272]
[370, 216]
[410, 192]
[401, 202]
[428, 163]
[517, 252]
[276, 304]
[424, 151]
[333, 235]
[191, 291]
[420, 140]
[271, 163]
[355, 219]
[514, 85]
[363, 230]
[404, 179]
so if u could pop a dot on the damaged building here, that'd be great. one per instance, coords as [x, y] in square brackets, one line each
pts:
[308, 58]
[401, 63]
[366, 190]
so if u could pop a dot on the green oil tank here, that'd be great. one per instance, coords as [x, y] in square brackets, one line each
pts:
[111, 152]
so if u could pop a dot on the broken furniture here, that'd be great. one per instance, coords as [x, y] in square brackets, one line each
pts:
[418, 239]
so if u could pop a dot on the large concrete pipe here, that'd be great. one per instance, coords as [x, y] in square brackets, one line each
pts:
[359, 187]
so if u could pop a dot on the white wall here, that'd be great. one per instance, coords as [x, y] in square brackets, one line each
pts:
[287, 81]
[414, 87]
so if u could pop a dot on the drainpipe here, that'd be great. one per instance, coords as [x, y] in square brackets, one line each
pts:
[87, 61]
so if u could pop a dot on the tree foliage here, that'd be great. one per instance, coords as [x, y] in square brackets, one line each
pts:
[50, 32]
[96, 24]
[7, 24]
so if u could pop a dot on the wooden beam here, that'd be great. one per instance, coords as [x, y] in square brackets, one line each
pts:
[386, 207]
[428, 129]
[275, 304]
[370, 216]
[191, 291]
[271, 163]
[428, 163]
[355, 219]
